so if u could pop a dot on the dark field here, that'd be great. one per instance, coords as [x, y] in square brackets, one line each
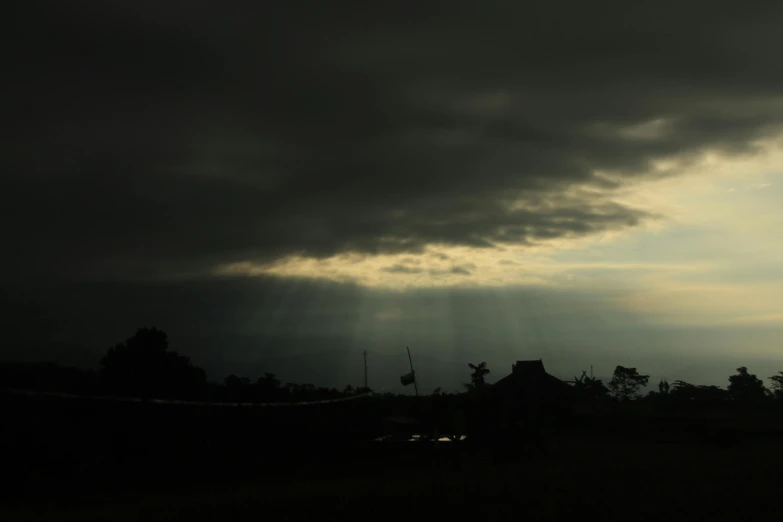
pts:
[86, 460]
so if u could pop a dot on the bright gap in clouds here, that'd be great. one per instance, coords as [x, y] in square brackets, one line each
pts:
[714, 257]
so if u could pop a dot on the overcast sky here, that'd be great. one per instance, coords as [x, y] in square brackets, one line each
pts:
[282, 185]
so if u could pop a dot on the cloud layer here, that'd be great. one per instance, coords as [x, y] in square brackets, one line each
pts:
[148, 140]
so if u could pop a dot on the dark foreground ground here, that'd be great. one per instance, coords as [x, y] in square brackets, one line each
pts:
[83, 473]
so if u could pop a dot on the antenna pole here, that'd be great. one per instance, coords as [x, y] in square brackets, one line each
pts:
[365, 371]
[415, 383]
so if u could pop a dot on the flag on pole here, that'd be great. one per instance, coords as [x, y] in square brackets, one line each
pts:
[408, 378]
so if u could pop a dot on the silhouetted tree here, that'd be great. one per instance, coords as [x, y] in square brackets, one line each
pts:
[777, 385]
[237, 389]
[268, 388]
[626, 383]
[232, 381]
[269, 380]
[712, 393]
[590, 387]
[746, 387]
[685, 392]
[663, 387]
[143, 365]
[477, 380]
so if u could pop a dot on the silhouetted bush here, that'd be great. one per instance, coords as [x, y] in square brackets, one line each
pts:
[144, 366]
[626, 383]
[746, 388]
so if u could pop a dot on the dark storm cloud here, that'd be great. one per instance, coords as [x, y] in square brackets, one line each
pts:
[143, 139]
[401, 269]
[460, 270]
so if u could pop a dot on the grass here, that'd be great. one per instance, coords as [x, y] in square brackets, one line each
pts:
[80, 461]
[606, 478]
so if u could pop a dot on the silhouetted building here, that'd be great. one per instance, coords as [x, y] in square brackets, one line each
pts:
[530, 394]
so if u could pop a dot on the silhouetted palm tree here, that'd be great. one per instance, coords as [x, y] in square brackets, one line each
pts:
[477, 381]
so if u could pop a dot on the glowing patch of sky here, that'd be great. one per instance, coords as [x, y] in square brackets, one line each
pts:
[715, 258]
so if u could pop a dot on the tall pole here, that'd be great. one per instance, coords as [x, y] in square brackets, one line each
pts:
[415, 384]
[365, 370]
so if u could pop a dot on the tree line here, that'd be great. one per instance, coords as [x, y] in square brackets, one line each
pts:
[627, 384]
[145, 366]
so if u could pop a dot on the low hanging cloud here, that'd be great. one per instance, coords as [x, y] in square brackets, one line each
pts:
[402, 269]
[154, 141]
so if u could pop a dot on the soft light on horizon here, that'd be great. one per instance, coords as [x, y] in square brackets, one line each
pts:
[692, 267]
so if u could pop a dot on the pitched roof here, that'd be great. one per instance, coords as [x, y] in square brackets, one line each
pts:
[529, 378]
[528, 368]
